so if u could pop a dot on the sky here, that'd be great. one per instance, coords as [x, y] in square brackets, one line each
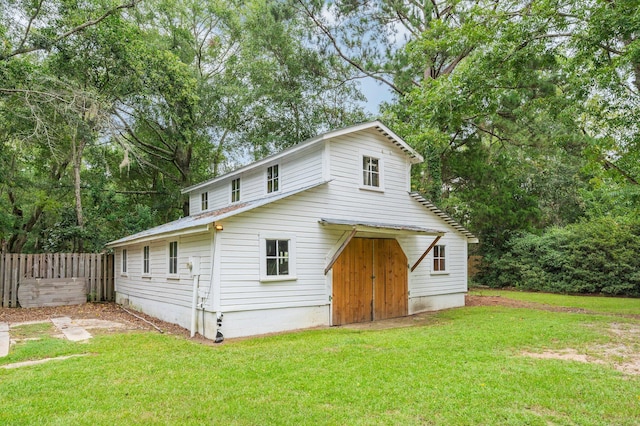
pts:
[376, 93]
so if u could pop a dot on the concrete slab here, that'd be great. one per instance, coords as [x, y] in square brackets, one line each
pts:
[39, 361]
[4, 339]
[71, 331]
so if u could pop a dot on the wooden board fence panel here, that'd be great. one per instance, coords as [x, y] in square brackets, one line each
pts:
[96, 269]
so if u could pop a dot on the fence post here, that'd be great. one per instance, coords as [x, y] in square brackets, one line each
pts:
[3, 303]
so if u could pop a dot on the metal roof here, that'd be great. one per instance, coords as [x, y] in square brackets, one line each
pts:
[429, 205]
[200, 222]
[376, 125]
[371, 226]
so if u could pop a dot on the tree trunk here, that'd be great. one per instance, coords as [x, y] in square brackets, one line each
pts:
[78, 149]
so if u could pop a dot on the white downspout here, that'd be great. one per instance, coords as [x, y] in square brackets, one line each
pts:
[194, 266]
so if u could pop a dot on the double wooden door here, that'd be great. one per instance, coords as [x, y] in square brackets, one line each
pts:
[370, 280]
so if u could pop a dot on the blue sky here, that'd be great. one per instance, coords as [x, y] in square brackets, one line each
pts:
[376, 93]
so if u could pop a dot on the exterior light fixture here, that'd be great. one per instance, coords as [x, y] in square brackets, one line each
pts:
[219, 227]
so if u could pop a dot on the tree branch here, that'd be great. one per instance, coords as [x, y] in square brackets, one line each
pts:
[335, 45]
[22, 50]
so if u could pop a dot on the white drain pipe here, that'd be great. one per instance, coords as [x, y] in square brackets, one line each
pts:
[194, 266]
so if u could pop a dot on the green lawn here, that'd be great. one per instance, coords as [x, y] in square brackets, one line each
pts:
[467, 366]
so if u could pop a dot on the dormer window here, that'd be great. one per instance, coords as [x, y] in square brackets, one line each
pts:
[235, 190]
[273, 179]
[370, 171]
[204, 201]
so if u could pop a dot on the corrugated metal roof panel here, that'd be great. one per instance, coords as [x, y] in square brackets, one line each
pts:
[429, 205]
[373, 226]
[202, 220]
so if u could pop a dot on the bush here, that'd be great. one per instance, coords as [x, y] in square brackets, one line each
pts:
[596, 256]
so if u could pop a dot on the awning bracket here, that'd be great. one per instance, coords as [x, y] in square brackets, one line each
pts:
[426, 252]
[340, 250]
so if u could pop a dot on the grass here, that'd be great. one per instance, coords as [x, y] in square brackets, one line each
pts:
[613, 305]
[464, 368]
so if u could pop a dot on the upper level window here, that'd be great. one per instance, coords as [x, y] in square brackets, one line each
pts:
[371, 171]
[273, 183]
[235, 190]
[124, 261]
[439, 264]
[173, 257]
[204, 201]
[145, 260]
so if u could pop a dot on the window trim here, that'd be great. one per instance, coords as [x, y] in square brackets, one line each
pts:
[376, 156]
[204, 200]
[146, 261]
[276, 180]
[173, 274]
[263, 237]
[237, 190]
[124, 263]
[442, 258]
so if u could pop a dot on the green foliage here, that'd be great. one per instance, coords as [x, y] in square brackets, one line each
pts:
[592, 256]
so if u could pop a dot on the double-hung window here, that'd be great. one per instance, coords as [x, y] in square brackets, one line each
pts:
[277, 257]
[439, 260]
[204, 201]
[273, 179]
[124, 261]
[235, 190]
[146, 269]
[371, 171]
[173, 257]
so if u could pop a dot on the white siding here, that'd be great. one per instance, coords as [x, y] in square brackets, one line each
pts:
[394, 205]
[241, 288]
[299, 170]
[159, 286]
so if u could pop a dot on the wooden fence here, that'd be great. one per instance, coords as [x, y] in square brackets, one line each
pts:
[96, 268]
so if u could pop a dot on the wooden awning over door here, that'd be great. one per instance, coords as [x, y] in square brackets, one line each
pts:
[378, 228]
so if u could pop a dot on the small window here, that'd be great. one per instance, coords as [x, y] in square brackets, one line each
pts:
[124, 261]
[173, 257]
[204, 201]
[277, 257]
[235, 190]
[145, 260]
[439, 264]
[371, 171]
[272, 179]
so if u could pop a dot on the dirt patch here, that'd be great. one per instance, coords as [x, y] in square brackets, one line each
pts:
[109, 317]
[622, 353]
[421, 319]
[512, 303]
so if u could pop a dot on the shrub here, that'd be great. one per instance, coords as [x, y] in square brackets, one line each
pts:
[600, 255]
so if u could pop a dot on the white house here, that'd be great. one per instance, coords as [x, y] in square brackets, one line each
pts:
[324, 233]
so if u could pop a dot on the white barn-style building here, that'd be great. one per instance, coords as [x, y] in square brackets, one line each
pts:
[324, 233]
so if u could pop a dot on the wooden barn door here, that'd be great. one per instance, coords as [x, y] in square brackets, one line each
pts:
[369, 282]
[390, 298]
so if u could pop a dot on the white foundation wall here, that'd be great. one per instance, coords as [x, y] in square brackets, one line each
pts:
[435, 303]
[263, 321]
[165, 311]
